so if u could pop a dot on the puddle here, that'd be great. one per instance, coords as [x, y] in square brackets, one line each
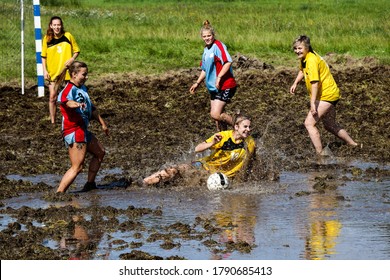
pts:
[287, 220]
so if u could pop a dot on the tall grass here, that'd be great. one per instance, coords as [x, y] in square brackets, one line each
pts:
[155, 36]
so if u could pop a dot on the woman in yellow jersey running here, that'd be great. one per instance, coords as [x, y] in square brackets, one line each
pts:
[59, 50]
[231, 153]
[323, 91]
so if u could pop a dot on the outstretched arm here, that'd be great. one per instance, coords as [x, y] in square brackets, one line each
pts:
[313, 98]
[296, 82]
[206, 145]
[198, 81]
[70, 60]
[96, 116]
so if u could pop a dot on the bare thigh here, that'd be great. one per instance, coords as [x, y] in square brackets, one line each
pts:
[217, 107]
[77, 153]
[329, 121]
[323, 109]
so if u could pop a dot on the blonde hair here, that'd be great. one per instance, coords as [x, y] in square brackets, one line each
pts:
[238, 118]
[305, 40]
[207, 27]
[73, 68]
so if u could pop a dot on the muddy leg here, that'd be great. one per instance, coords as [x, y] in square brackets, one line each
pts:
[52, 102]
[98, 152]
[165, 175]
[330, 124]
[77, 153]
[222, 119]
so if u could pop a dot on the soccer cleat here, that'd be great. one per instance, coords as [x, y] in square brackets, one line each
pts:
[89, 186]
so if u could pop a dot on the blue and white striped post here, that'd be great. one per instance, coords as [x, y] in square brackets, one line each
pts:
[22, 44]
[38, 48]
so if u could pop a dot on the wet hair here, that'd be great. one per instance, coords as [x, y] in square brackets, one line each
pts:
[50, 32]
[207, 27]
[73, 68]
[238, 118]
[305, 40]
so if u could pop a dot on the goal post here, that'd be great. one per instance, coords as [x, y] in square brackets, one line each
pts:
[38, 48]
[20, 48]
[22, 45]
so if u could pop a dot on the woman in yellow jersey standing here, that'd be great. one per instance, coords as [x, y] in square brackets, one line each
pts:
[231, 153]
[59, 50]
[323, 91]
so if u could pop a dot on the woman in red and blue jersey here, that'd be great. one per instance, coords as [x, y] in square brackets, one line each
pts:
[77, 110]
[218, 75]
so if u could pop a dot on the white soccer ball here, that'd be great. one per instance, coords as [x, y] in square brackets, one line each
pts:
[217, 181]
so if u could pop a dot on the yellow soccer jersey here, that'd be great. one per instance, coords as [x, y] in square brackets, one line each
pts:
[315, 69]
[228, 156]
[57, 52]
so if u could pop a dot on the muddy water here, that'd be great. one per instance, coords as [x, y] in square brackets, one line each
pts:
[319, 214]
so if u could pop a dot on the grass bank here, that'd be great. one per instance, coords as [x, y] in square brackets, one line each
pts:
[155, 36]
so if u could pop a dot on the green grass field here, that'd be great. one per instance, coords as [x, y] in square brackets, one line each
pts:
[147, 37]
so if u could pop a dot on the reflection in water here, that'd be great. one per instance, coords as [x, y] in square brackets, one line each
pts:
[237, 217]
[324, 226]
[322, 239]
[314, 225]
[83, 236]
[78, 244]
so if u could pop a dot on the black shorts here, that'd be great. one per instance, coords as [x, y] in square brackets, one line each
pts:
[224, 95]
[332, 102]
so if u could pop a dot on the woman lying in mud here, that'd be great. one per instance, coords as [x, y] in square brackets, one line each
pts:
[231, 152]
[77, 110]
[324, 93]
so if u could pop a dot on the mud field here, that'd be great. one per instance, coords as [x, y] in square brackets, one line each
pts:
[154, 122]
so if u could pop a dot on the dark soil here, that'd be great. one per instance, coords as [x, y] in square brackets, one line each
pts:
[153, 120]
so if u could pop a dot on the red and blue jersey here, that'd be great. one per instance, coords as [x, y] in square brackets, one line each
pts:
[75, 118]
[213, 60]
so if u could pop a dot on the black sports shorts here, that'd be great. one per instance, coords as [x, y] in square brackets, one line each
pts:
[224, 95]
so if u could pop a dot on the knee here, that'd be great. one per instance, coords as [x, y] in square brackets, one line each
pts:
[215, 116]
[172, 171]
[53, 99]
[78, 168]
[101, 154]
[308, 124]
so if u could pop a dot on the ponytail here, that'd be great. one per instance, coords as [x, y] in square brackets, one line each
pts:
[59, 80]
[73, 68]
